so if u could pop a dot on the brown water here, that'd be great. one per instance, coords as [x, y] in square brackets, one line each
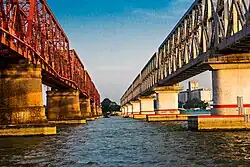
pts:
[118, 142]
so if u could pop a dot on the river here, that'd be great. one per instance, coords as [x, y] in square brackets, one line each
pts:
[120, 142]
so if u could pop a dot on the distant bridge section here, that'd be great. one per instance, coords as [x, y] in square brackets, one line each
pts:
[212, 35]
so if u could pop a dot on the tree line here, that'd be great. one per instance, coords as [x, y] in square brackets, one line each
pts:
[109, 106]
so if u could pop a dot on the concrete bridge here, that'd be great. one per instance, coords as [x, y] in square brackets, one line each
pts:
[212, 35]
[34, 50]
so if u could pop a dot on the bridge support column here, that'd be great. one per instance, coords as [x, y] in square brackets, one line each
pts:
[93, 110]
[99, 111]
[64, 107]
[21, 107]
[167, 99]
[130, 108]
[123, 110]
[147, 105]
[136, 107]
[230, 81]
[85, 107]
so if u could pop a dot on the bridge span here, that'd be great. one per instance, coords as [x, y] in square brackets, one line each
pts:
[212, 35]
[34, 50]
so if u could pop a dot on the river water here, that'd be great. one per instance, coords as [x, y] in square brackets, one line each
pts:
[120, 142]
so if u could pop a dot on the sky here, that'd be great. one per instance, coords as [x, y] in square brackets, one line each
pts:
[116, 38]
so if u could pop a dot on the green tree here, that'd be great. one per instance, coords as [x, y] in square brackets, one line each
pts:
[109, 106]
[195, 103]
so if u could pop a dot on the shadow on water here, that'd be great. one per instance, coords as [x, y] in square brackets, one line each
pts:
[121, 142]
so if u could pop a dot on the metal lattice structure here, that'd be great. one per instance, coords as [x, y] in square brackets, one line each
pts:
[208, 29]
[30, 31]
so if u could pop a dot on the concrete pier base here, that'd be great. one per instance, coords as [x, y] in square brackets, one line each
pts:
[230, 81]
[136, 108]
[63, 105]
[140, 116]
[91, 119]
[93, 109]
[69, 122]
[85, 107]
[27, 130]
[147, 112]
[222, 122]
[21, 106]
[147, 105]
[167, 99]
[130, 108]
[166, 117]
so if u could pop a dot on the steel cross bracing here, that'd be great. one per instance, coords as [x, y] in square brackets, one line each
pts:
[29, 29]
[209, 27]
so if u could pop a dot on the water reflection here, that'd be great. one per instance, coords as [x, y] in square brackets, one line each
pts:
[126, 142]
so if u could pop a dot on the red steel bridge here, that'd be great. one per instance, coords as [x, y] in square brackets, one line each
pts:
[30, 32]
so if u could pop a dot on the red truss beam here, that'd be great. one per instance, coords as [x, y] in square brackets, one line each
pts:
[78, 72]
[29, 29]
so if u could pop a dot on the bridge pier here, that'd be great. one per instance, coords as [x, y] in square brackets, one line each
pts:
[99, 111]
[93, 109]
[85, 107]
[63, 107]
[167, 99]
[21, 108]
[230, 81]
[147, 105]
[123, 110]
[129, 109]
[136, 108]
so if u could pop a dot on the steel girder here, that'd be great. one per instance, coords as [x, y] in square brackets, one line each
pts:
[29, 30]
[209, 27]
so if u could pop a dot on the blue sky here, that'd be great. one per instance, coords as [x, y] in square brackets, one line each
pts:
[115, 38]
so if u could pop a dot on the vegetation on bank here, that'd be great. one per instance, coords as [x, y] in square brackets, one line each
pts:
[194, 103]
[109, 106]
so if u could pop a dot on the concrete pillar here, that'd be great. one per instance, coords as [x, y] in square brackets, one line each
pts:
[85, 107]
[167, 99]
[130, 109]
[96, 110]
[21, 106]
[21, 95]
[136, 107]
[63, 105]
[230, 81]
[99, 109]
[93, 109]
[125, 109]
[147, 105]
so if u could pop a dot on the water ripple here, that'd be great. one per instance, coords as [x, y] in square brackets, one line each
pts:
[118, 142]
